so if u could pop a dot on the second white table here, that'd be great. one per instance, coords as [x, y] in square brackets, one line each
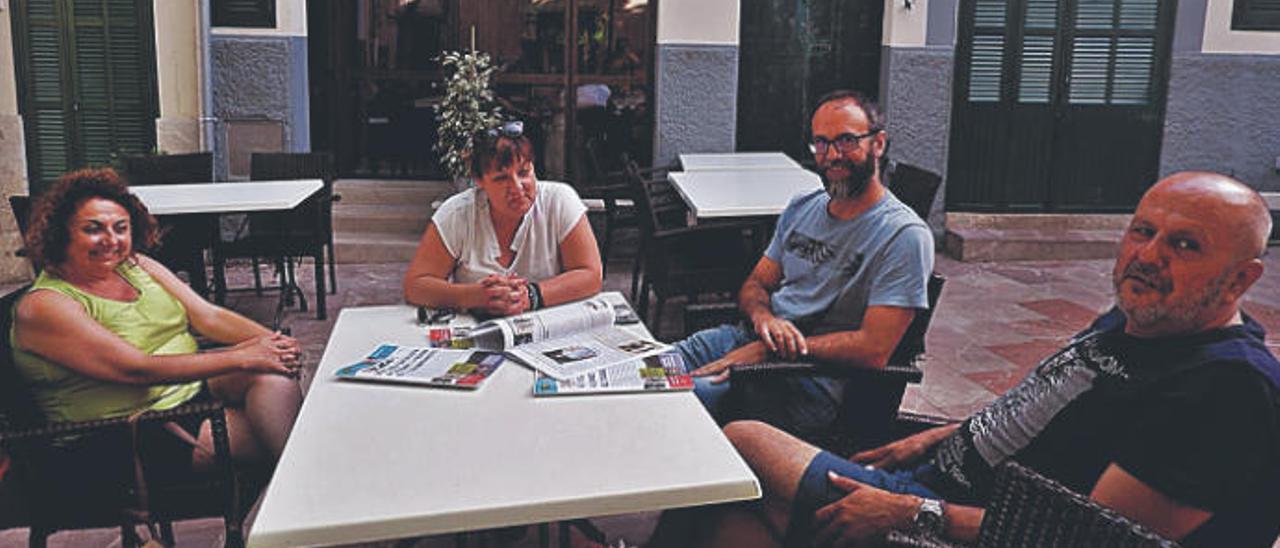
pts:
[226, 197]
[722, 161]
[712, 194]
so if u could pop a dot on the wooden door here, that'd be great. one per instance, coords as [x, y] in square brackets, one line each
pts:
[1058, 104]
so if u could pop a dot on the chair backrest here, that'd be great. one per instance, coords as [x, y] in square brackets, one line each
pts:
[17, 406]
[21, 206]
[311, 219]
[915, 186]
[658, 204]
[911, 346]
[168, 169]
[1028, 509]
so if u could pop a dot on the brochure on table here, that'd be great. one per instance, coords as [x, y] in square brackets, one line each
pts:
[444, 367]
[567, 341]
[660, 373]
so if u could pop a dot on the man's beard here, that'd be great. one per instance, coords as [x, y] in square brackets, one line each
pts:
[1182, 315]
[852, 185]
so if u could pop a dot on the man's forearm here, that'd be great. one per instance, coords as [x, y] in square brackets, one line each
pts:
[848, 347]
[753, 300]
[962, 522]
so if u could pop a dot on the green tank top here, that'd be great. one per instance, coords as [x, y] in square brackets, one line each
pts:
[155, 323]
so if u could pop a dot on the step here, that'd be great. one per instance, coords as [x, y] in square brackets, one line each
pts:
[1038, 221]
[368, 218]
[374, 248]
[1029, 244]
[375, 191]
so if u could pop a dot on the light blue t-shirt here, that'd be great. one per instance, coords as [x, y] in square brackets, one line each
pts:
[833, 269]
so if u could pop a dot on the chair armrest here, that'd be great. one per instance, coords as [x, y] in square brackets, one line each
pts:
[918, 539]
[58, 429]
[736, 226]
[907, 373]
[335, 198]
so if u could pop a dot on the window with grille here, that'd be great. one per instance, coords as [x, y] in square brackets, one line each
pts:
[1256, 15]
[244, 13]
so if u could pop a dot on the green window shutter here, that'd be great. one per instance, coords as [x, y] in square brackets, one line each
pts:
[244, 13]
[986, 56]
[1035, 61]
[113, 68]
[1113, 55]
[1256, 15]
[46, 108]
[87, 75]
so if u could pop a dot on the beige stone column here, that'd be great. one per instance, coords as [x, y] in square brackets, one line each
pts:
[13, 159]
[177, 76]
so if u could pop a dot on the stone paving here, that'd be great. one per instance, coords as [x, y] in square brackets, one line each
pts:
[994, 322]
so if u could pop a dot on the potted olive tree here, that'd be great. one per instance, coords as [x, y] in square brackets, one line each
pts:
[468, 109]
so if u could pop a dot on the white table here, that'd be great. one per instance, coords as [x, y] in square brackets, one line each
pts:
[747, 193]
[379, 461]
[226, 197]
[737, 161]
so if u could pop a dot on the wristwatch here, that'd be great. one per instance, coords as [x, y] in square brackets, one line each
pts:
[535, 295]
[929, 517]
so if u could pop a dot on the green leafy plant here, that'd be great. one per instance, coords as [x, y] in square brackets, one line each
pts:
[467, 110]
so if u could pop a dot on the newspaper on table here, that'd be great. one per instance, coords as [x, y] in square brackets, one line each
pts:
[443, 367]
[659, 373]
[568, 340]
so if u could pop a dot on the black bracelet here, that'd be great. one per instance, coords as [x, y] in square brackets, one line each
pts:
[535, 295]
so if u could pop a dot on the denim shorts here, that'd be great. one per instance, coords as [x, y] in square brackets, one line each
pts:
[815, 490]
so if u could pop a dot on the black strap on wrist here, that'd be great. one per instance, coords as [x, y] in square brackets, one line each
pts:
[535, 295]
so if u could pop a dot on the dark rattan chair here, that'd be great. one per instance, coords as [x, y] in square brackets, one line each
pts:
[185, 237]
[77, 485]
[914, 186]
[306, 231]
[677, 259]
[871, 397]
[606, 191]
[1030, 510]
[21, 207]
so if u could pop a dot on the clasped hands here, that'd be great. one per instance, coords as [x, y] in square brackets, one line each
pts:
[504, 295]
[778, 337]
[272, 353]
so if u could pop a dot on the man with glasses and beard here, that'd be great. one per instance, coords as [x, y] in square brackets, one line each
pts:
[840, 281]
[1165, 409]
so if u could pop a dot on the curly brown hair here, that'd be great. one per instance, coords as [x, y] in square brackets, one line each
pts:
[49, 234]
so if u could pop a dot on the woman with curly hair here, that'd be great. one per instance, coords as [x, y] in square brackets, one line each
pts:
[105, 331]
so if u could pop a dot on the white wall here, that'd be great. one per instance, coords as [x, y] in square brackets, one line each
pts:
[905, 27]
[1219, 38]
[291, 20]
[698, 21]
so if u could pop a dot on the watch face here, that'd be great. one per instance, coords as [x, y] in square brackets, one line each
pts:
[929, 517]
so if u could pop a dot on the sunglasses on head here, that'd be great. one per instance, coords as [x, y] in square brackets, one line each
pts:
[510, 130]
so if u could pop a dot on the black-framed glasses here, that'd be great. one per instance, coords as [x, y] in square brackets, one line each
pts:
[845, 142]
[510, 130]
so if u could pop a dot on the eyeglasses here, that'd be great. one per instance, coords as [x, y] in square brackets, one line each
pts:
[510, 130]
[845, 143]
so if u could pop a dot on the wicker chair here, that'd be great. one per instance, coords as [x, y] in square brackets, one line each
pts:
[677, 259]
[1028, 509]
[77, 485]
[914, 186]
[187, 236]
[607, 192]
[21, 207]
[306, 231]
[871, 398]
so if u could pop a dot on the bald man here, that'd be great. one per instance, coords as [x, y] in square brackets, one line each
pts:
[1167, 408]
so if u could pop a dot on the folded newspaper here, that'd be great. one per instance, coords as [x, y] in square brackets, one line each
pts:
[430, 366]
[569, 340]
[660, 373]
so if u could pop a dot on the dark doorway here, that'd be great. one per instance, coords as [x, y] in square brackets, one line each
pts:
[1058, 104]
[794, 51]
[375, 78]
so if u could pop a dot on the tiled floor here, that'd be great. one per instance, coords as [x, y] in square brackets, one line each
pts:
[994, 322]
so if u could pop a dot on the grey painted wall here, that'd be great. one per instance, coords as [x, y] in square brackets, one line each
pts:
[917, 104]
[1222, 115]
[260, 78]
[696, 95]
